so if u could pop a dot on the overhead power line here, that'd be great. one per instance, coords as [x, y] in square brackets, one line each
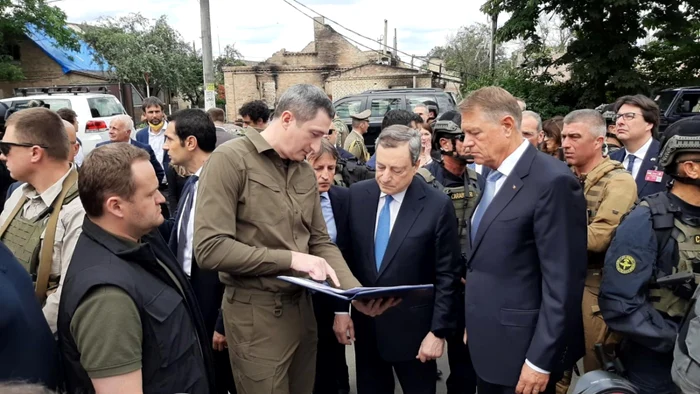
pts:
[427, 62]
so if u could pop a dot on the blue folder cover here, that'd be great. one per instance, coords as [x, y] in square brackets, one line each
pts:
[361, 293]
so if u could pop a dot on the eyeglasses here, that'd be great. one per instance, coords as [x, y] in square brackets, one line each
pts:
[627, 116]
[6, 146]
[460, 137]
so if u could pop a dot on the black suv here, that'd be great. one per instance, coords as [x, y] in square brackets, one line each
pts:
[381, 101]
[676, 104]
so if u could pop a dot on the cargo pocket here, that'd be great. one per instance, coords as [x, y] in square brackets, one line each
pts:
[167, 315]
[263, 188]
[254, 377]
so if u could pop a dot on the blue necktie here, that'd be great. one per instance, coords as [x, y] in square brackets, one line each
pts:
[472, 166]
[383, 231]
[489, 193]
[188, 195]
[630, 163]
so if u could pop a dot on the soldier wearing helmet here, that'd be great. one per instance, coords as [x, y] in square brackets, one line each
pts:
[650, 269]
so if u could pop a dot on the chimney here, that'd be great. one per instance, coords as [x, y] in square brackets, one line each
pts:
[319, 26]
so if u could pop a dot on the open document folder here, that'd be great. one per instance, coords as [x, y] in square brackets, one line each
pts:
[361, 293]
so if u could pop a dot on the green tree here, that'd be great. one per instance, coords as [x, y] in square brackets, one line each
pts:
[15, 15]
[467, 52]
[151, 55]
[603, 54]
[230, 57]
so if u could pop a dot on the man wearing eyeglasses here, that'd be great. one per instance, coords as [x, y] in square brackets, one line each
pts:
[636, 119]
[37, 151]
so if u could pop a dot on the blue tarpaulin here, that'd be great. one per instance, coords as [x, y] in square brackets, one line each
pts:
[68, 59]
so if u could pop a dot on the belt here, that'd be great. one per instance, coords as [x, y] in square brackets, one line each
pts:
[261, 297]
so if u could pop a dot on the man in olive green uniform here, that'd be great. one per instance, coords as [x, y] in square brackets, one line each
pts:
[342, 129]
[259, 216]
[610, 192]
[355, 143]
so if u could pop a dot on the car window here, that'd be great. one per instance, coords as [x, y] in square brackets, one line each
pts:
[444, 103]
[101, 107]
[54, 104]
[664, 100]
[348, 108]
[689, 104]
[415, 100]
[381, 106]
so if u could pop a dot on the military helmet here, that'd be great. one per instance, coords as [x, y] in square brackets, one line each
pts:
[449, 125]
[603, 382]
[680, 137]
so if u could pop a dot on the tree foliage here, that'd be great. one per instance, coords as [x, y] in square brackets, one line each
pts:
[230, 57]
[147, 54]
[467, 52]
[14, 17]
[604, 55]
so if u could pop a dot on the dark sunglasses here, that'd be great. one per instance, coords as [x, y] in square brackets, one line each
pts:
[6, 146]
[461, 138]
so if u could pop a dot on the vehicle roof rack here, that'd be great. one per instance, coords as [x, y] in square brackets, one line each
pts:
[64, 89]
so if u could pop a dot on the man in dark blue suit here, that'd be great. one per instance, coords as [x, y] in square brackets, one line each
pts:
[29, 351]
[403, 232]
[189, 140]
[331, 367]
[526, 259]
[636, 119]
[153, 134]
[120, 129]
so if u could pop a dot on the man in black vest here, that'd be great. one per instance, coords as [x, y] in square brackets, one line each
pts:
[128, 319]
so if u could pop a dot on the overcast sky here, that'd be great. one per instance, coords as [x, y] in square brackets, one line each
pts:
[258, 28]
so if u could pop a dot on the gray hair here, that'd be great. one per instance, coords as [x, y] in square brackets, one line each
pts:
[304, 102]
[396, 135]
[421, 105]
[536, 116]
[589, 117]
[126, 120]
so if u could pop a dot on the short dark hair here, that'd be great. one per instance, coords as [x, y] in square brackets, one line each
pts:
[397, 117]
[326, 149]
[256, 110]
[106, 171]
[68, 115]
[195, 123]
[216, 114]
[650, 110]
[304, 101]
[418, 119]
[41, 126]
[152, 102]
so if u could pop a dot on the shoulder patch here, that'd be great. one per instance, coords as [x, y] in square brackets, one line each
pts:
[625, 264]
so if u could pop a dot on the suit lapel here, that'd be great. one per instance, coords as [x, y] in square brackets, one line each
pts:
[410, 209]
[368, 223]
[336, 204]
[648, 163]
[511, 186]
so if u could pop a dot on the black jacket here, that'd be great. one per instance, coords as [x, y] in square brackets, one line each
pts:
[176, 349]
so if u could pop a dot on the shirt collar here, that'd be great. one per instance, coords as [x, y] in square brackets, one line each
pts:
[509, 163]
[198, 172]
[50, 194]
[325, 194]
[160, 132]
[398, 196]
[642, 152]
[258, 141]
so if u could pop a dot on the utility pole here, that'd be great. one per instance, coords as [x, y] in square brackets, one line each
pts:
[494, 29]
[209, 86]
[396, 45]
[386, 33]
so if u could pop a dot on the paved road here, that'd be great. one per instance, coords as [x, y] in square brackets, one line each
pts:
[442, 365]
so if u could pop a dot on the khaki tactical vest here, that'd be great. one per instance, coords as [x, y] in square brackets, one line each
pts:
[686, 238]
[24, 236]
[463, 199]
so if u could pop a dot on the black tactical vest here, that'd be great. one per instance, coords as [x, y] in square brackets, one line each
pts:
[175, 356]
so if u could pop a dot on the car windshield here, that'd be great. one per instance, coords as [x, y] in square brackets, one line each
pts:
[664, 99]
[101, 107]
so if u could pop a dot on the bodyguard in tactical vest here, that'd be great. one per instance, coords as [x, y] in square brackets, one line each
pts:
[128, 319]
[659, 238]
[610, 192]
[42, 219]
[463, 185]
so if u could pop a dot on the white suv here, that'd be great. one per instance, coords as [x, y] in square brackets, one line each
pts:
[94, 110]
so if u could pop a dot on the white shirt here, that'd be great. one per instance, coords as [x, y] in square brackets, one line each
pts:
[505, 169]
[156, 141]
[479, 168]
[187, 264]
[639, 155]
[393, 209]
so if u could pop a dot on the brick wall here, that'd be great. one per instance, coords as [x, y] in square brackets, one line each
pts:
[40, 70]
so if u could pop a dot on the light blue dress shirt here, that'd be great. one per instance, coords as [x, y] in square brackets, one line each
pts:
[327, 210]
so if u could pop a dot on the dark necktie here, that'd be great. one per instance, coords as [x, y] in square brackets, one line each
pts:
[630, 163]
[188, 195]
